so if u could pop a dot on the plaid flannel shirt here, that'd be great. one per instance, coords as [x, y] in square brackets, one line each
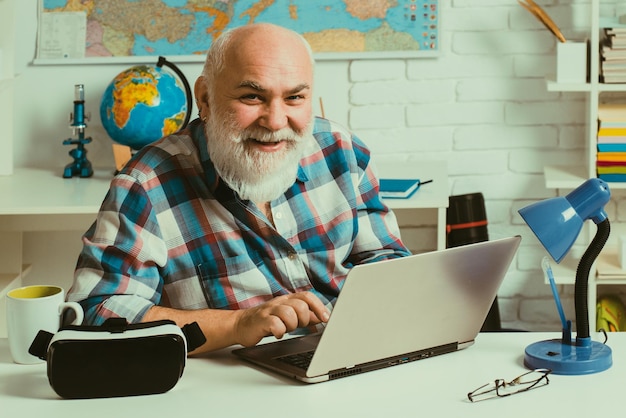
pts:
[170, 232]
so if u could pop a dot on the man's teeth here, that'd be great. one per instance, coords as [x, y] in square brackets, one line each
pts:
[266, 142]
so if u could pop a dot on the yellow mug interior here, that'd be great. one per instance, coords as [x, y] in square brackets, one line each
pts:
[34, 292]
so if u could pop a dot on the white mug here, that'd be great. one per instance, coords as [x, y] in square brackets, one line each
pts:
[31, 309]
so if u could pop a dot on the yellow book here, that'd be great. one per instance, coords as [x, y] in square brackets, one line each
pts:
[611, 132]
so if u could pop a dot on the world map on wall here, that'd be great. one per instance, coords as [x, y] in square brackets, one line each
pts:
[119, 28]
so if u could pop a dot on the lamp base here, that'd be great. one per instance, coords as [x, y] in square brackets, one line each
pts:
[580, 357]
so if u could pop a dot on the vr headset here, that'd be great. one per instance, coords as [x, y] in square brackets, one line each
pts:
[116, 358]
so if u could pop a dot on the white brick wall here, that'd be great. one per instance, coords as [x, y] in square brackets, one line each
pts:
[483, 107]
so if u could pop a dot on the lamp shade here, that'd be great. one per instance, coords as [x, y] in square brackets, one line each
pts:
[557, 222]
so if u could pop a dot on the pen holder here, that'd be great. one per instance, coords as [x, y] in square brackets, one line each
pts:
[571, 62]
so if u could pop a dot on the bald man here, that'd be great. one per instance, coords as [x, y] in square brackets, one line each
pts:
[246, 222]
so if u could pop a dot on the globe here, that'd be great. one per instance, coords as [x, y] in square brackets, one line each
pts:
[145, 103]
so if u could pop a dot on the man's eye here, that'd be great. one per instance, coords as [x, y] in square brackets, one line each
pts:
[249, 97]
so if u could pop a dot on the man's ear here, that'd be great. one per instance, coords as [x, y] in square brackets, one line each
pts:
[201, 91]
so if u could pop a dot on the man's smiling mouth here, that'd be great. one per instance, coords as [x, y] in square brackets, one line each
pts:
[267, 146]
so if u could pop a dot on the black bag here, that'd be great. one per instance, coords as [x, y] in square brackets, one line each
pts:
[116, 358]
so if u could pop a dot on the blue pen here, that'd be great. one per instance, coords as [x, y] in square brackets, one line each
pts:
[545, 265]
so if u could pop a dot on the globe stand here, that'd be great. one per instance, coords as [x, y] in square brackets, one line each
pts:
[81, 166]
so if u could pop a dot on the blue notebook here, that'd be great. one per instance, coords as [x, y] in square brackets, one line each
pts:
[398, 188]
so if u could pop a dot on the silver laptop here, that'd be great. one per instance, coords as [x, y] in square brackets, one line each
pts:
[397, 311]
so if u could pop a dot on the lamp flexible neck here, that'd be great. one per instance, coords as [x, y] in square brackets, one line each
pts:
[582, 278]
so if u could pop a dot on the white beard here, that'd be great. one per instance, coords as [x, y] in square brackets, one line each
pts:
[254, 175]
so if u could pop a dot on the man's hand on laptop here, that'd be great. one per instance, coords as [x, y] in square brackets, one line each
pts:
[279, 316]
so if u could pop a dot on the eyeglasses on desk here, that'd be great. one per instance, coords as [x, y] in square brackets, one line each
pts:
[501, 388]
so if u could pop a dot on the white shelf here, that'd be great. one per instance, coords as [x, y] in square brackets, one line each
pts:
[609, 87]
[554, 86]
[609, 269]
[32, 191]
[564, 177]
[570, 177]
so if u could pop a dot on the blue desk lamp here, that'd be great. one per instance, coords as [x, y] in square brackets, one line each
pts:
[557, 222]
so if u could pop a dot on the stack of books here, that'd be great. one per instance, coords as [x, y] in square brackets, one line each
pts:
[613, 55]
[611, 158]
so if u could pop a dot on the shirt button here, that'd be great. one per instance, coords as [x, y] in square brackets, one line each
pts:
[278, 215]
[292, 256]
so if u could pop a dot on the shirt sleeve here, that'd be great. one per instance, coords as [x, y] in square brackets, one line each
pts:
[378, 235]
[117, 273]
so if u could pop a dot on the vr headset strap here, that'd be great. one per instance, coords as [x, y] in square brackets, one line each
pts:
[193, 334]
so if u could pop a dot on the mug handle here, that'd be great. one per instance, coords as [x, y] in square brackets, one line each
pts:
[78, 312]
[39, 346]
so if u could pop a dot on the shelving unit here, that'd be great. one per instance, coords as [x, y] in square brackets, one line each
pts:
[568, 178]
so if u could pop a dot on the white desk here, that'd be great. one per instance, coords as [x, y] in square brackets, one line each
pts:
[219, 385]
[42, 200]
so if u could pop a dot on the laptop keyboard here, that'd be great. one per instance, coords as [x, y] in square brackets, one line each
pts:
[301, 360]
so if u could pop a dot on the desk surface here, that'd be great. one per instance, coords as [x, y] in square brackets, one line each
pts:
[220, 385]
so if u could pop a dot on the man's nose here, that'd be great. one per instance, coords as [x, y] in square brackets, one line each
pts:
[274, 116]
